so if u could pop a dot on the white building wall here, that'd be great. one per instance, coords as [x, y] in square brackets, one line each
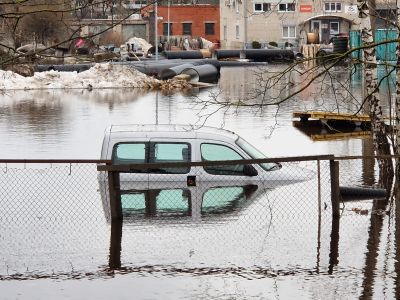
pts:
[269, 25]
[232, 29]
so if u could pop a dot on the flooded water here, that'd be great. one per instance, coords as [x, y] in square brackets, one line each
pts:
[70, 124]
[258, 244]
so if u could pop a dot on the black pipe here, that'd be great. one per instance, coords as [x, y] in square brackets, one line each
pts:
[269, 54]
[157, 67]
[361, 193]
[148, 67]
[154, 69]
[258, 55]
[169, 73]
[237, 63]
[207, 61]
[221, 54]
[203, 73]
[191, 54]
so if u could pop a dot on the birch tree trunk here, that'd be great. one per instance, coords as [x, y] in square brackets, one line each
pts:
[396, 146]
[380, 140]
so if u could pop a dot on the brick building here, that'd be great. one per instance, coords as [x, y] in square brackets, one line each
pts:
[183, 18]
[195, 20]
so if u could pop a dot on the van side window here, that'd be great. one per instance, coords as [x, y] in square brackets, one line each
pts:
[212, 152]
[129, 153]
[170, 152]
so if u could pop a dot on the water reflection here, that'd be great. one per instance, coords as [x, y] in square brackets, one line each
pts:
[396, 234]
[33, 112]
[157, 206]
[373, 244]
[194, 202]
[386, 73]
[334, 245]
[232, 231]
[72, 122]
[114, 262]
[183, 204]
[278, 234]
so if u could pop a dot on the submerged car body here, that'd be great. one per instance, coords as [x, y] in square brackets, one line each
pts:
[159, 144]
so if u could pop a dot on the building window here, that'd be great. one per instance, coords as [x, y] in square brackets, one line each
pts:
[237, 31]
[287, 7]
[209, 28]
[186, 28]
[165, 28]
[333, 7]
[262, 7]
[289, 32]
[334, 28]
[225, 32]
[141, 2]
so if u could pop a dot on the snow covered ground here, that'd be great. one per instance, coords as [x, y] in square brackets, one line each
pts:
[99, 76]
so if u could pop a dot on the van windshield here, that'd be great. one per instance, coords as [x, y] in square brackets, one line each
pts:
[256, 154]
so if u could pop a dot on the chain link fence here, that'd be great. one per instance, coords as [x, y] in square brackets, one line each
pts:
[57, 216]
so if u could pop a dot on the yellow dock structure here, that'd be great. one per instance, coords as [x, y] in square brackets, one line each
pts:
[340, 135]
[325, 126]
[331, 116]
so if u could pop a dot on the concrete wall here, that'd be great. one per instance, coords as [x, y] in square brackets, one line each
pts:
[127, 29]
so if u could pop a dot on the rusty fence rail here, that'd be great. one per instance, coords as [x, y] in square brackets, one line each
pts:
[59, 209]
[115, 190]
[112, 183]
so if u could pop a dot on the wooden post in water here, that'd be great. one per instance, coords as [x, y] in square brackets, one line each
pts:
[335, 192]
[334, 251]
[114, 261]
[115, 196]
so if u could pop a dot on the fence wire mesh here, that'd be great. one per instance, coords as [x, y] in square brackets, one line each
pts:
[56, 218]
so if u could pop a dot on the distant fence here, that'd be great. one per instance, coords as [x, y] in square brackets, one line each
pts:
[384, 52]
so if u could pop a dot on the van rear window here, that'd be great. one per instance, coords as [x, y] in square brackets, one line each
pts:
[129, 153]
[153, 152]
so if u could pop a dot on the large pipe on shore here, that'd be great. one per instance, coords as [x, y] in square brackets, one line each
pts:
[192, 54]
[169, 73]
[203, 73]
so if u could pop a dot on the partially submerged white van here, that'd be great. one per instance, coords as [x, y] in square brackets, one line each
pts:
[142, 144]
[199, 187]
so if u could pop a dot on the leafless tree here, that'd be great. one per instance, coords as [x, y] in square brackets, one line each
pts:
[330, 76]
[52, 23]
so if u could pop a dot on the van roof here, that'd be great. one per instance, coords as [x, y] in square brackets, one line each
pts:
[165, 130]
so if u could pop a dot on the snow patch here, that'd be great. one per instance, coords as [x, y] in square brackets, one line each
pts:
[140, 43]
[103, 75]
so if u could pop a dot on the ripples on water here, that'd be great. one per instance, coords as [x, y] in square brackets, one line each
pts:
[70, 124]
[272, 246]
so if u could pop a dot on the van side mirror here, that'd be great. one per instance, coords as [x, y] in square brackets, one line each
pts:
[249, 170]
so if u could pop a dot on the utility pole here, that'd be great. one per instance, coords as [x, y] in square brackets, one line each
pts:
[168, 26]
[156, 28]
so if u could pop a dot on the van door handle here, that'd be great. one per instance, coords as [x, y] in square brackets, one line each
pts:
[191, 180]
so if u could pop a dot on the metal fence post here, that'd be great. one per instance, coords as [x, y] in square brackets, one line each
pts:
[114, 261]
[115, 195]
[335, 192]
[334, 245]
